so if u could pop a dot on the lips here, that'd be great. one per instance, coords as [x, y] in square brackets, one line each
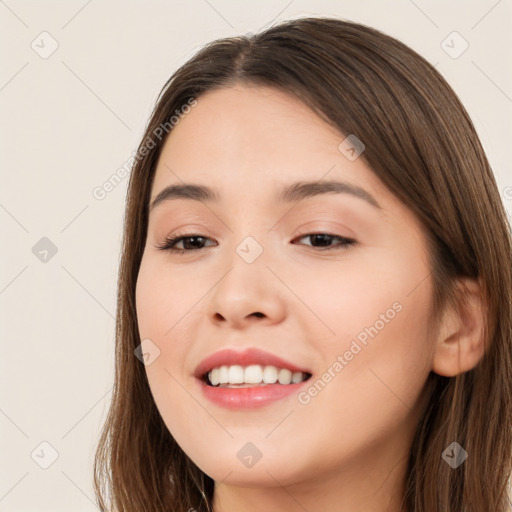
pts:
[256, 396]
[248, 357]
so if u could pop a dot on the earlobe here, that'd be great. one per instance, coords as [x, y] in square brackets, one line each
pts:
[460, 344]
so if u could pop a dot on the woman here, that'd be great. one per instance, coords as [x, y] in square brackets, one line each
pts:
[369, 369]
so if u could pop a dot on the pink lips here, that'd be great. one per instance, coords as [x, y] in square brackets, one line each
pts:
[247, 357]
[250, 397]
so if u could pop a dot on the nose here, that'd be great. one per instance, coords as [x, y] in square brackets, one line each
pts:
[246, 294]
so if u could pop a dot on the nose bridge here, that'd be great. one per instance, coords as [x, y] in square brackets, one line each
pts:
[248, 271]
[249, 230]
[247, 286]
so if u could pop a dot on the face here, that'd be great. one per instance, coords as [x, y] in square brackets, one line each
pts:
[335, 284]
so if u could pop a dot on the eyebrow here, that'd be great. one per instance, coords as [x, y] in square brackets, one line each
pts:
[294, 192]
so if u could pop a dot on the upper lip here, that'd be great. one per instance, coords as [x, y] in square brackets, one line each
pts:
[243, 358]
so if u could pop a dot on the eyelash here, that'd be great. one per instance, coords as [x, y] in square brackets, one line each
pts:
[169, 243]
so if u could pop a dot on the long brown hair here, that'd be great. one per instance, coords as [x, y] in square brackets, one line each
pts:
[423, 146]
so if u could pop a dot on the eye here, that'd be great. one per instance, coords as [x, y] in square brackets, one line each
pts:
[191, 243]
[196, 242]
[325, 240]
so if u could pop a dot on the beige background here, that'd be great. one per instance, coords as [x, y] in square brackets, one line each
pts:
[71, 119]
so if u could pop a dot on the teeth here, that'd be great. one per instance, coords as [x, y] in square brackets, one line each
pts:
[253, 374]
[297, 377]
[270, 374]
[223, 375]
[285, 376]
[238, 376]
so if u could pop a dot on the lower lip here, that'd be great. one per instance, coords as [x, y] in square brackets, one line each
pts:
[250, 397]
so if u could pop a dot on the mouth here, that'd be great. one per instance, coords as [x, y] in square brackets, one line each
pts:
[249, 379]
[254, 375]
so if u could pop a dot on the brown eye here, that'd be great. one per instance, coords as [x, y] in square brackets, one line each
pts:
[190, 243]
[323, 241]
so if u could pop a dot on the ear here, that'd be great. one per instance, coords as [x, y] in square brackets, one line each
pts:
[460, 344]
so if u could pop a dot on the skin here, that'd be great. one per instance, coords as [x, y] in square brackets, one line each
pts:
[346, 449]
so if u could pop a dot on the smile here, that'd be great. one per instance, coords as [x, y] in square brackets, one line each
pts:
[253, 375]
[248, 379]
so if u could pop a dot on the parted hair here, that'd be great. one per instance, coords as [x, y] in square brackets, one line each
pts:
[421, 143]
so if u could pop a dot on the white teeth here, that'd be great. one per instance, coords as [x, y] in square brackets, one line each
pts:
[285, 376]
[297, 377]
[270, 374]
[214, 376]
[253, 375]
[223, 375]
[236, 374]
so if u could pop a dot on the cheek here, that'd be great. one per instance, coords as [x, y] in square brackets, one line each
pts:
[369, 391]
[163, 296]
[383, 326]
[166, 316]
[376, 364]
[155, 317]
[380, 363]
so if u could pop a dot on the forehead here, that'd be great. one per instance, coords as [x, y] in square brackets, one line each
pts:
[253, 140]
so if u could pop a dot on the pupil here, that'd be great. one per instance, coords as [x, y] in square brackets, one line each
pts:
[325, 238]
[190, 241]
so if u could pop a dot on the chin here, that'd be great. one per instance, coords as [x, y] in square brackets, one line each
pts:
[234, 466]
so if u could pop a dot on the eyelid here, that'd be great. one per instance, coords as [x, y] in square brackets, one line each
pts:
[321, 227]
[170, 242]
[303, 230]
